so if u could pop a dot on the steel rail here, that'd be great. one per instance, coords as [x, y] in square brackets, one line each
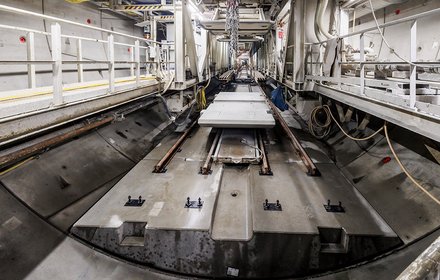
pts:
[160, 167]
[265, 166]
[206, 168]
[312, 170]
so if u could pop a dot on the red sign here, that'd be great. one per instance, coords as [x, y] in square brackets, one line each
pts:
[280, 34]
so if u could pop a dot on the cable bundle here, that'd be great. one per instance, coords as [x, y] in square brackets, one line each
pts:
[317, 128]
[232, 22]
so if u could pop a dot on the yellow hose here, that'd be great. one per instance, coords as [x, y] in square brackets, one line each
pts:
[406, 171]
[346, 134]
[16, 166]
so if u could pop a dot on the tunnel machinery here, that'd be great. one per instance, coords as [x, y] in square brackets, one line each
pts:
[219, 139]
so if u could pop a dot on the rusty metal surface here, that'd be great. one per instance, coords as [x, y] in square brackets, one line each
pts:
[160, 166]
[308, 162]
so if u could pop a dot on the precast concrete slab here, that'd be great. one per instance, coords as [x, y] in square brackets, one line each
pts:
[230, 227]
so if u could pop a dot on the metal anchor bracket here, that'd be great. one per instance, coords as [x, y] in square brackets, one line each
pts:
[270, 206]
[334, 208]
[193, 204]
[134, 202]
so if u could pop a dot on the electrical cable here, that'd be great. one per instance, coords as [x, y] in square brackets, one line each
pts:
[346, 134]
[185, 121]
[385, 129]
[404, 169]
[244, 141]
[383, 32]
[314, 124]
[385, 40]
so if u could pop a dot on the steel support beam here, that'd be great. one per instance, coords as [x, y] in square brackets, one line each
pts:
[299, 38]
[151, 8]
[190, 42]
[179, 44]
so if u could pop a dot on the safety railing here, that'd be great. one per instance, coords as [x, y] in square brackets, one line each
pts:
[315, 63]
[57, 62]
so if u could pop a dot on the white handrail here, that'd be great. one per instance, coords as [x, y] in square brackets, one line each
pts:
[386, 24]
[29, 13]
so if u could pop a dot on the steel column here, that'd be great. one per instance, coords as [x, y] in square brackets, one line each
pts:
[57, 66]
[179, 44]
[111, 64]
[80, 67]
[299, 38]
[137, 59]
[31, 57]
[413, 58]
[132, 60]
[362, 59]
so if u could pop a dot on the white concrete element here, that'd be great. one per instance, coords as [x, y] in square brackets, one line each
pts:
[239, 96]
[246, 112]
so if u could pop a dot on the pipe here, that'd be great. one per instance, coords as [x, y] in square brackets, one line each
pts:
[160, 166]
[15, 156]
[315, 23]
[164, 101]
[26, 152]
[321, 12]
